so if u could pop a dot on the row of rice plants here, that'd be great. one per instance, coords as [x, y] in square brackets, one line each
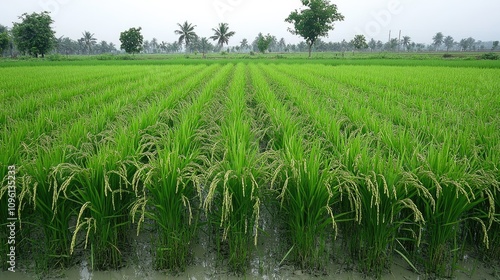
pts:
[40, 155]
[171, 179]
[418, 110]
[309, 183]
[47, 155]
[29, 131]
[379, 179]
[455, 164]
[235, 179]
[24, 106]
[102, 184]
[472, 186]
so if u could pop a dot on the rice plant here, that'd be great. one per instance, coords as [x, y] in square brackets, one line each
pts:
[235, 177]
[307, 182]
[171, 181]
[456, 191]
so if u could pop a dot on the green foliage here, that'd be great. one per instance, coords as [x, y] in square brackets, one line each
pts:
[187, 34]
[204, 46]
[495, 45]
[359, 42]
[34, 35]
[89, 40]
[263, 42]
[449, 42]
[4, 41]
[490, 56]
[131, 40]
[315, 21]
[222, 34]
[371, 153]
[438, 40]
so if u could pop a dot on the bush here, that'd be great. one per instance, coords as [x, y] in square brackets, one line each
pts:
[447, 55]
[106, 57]
[252, 53]
[490, 56]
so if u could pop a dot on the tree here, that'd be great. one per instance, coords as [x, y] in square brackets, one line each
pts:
[34, 35]
[146, 46]
[449, 42]
[89, 41]
[131, 40]
[263, 42]
[372, 44]
[359, 42]
[187, 33]
[222, 34]
[438, 40]
[4, 41]
[495, 45]
[244, 44]
[154, 45]
[315, 21]
[112, 47]
[466, 44]
[205, 46]
[282, 45]
[392, 44]
[407, 42]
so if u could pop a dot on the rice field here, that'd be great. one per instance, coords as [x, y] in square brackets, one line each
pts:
[352, 163]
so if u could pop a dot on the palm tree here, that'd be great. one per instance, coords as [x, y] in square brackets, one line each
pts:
[104, 47]
[112, 47]
[88, 40]
[163, 46]
[222, 34]
[438, 40]
[407, 42]
[244, 44]
[205, 46]
[155, 45]
[187, 33]
[449, 42]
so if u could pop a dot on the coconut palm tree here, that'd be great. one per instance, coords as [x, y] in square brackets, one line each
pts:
[222, 34]
[438, 40]
[205, 46]
[112, 47]
[187, 33]
[407, 42]
[244, 44]
[88, 40]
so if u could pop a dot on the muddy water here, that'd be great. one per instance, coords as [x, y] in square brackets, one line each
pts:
[265, 265]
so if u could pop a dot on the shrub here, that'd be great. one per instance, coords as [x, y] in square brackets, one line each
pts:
[490, 56]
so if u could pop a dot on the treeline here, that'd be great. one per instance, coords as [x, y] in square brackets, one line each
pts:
[88, 44]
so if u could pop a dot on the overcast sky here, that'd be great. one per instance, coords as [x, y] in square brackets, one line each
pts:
[419, 19]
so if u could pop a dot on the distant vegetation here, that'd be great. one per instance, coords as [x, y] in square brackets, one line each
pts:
[16, 41]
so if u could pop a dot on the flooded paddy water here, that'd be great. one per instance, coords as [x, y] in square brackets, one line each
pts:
[269, 262]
